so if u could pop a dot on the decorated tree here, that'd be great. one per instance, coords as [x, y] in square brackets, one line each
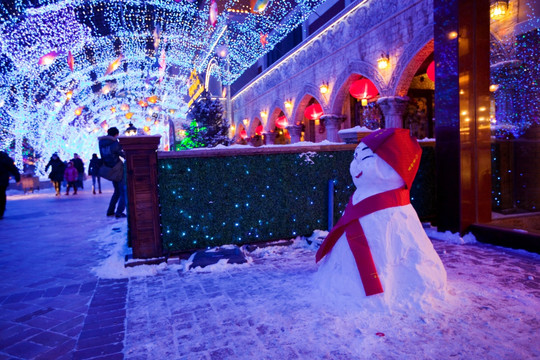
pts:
[208, 127]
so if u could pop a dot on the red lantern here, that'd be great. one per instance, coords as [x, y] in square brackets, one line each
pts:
[243, 134]
[363, 89]
[281, 122]
[313, 111]
[431, 71]
[259, 130]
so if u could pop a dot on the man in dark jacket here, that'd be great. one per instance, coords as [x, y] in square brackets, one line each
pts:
[111, 151]
[7, 167]
[79, 165]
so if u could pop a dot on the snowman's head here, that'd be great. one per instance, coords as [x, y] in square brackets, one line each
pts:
[368, 170]
[384, 155]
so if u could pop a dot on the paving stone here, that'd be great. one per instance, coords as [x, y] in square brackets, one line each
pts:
[100, 351]
[100, 340]
[26, 350]
[64, 350]
[49, 339]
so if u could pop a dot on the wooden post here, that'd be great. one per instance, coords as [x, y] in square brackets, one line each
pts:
[142, 193]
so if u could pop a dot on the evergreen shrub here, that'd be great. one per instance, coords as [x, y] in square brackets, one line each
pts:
[212, 201]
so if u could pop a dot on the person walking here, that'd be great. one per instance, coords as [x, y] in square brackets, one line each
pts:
[79, 165]
[57, 172]
[71, 175]
[111, 151]
[7, 167]
[93, 169]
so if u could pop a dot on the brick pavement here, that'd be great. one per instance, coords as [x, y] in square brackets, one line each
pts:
[53, 307]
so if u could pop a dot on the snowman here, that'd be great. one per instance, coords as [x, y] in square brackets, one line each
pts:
[378, 256]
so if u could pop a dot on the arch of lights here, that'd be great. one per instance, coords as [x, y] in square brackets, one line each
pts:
[130, 61]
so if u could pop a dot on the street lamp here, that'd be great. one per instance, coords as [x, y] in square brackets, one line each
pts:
[131, 130]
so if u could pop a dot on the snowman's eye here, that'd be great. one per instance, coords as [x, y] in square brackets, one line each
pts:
[365, 157]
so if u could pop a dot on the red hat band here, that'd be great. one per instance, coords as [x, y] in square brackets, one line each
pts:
[398, 149]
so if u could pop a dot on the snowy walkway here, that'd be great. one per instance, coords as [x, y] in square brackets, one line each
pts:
[53, 304]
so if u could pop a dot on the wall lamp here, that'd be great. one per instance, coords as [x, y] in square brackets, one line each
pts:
[383, 61]
[288, 104]
[323, 88]
[498, 8]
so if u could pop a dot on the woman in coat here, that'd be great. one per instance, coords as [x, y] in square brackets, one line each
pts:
[57, 172]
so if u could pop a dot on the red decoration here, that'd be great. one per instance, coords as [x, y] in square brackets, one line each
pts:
[259, 130]
[264, 39]
[313, 111]
[243, 134]
[431, 71]
[363, 89]
[70, 61]
[213, 13]
[281, 122]
[380, 334]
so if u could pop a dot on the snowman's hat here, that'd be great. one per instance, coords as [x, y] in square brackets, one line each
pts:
[398, 149]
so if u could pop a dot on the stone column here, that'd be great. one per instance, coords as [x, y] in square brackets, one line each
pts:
[270, 138]
[144, 231]
[393, 108]
[296, 133]
[332, 122]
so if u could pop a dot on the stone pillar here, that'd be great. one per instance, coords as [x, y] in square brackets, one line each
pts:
[296, 133]
[393, 108]
[144, 229]
[332, 122]
[270, 138]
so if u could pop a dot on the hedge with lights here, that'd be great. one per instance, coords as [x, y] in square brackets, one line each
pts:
[212, 201]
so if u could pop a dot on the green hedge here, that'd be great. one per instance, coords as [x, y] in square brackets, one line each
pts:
[212, 201]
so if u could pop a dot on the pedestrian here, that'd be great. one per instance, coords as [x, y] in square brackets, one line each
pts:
[93, 169]
[7, 167]
[57, 172]
[111, 151]
[71, 175]
[79, 165]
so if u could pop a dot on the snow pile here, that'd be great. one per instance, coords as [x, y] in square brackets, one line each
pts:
[449, 237]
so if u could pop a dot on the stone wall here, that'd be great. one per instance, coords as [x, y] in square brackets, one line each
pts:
[336, 56]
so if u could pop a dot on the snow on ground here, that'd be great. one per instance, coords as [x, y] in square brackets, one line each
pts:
[272, 309]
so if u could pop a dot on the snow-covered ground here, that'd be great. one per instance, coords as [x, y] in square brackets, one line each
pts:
[270, 307]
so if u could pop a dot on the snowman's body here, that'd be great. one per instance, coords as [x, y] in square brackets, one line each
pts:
[410, 271]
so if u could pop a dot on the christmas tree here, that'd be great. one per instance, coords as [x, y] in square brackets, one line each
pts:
[208, 127]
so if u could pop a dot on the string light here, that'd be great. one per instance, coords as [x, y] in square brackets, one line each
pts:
[114, 63]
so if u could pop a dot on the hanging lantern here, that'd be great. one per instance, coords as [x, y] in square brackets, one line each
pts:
[129, 115]
[260, 5]
[363, 89]
[113, 65]
[48, 59]
[213, 12]
[313, 111]
[70, 61]
[124, 107]
[104, 125]
[281, 122]
[243, 134]
[143, 103]
[152, 99]
[259, 130]
[79, 110]
[431, 71]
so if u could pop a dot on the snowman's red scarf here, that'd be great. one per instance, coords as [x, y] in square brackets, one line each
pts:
[350, 225]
